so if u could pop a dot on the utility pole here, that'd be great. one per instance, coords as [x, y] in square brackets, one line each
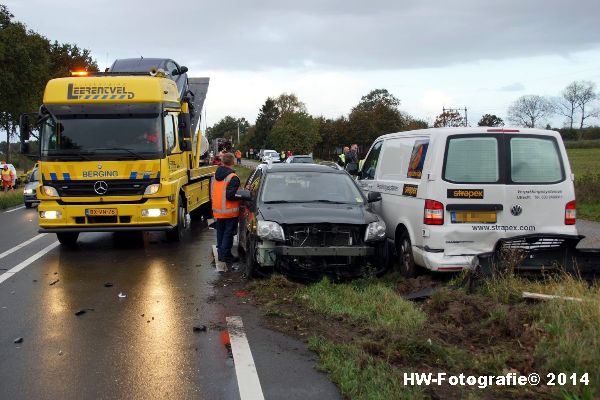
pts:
[238, 124]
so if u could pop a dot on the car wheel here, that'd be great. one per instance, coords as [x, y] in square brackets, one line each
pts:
[28, 205]
[251, 264]
[67, 238]
[406, 260]
[176, 234]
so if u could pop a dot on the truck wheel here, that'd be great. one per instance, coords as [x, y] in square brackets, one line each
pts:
[176, 234]
[67, 238]
[408, 267]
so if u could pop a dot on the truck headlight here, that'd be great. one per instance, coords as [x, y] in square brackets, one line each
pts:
[152, 189]
[50, 214]
[375, 231]
[28, 191]
[269, 230]
[50, 191]
[154, 212]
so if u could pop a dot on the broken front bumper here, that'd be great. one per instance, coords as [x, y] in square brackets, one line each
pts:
[336, 251]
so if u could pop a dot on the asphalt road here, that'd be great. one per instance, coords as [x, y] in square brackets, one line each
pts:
[141, 346]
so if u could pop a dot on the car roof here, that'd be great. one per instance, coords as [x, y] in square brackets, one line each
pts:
[441, 132]
[284, 167]
[138, 64]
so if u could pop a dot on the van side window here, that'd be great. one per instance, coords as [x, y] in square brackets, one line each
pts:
[254, 183]
[170, 132]
[535, 160]
[417, 159]
[472, 160]
[370, 166]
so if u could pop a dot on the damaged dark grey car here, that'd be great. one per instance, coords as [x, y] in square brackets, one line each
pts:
[309, 221]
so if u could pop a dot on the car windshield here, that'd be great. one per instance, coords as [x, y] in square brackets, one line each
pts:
[94, 137]
[308, 187]
[270, 153]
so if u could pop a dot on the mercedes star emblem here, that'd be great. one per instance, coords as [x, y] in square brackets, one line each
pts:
[101, 187]
[99, 166]
[516, 210]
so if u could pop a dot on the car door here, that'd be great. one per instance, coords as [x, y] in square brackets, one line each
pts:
[248, 208]
[366, 176]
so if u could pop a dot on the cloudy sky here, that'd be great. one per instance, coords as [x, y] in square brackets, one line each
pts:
[479, 54]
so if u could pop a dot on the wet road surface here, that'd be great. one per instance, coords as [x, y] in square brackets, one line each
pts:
[141, 346]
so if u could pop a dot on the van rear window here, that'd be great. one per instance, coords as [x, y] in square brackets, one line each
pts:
[534, 160]
[472, 160]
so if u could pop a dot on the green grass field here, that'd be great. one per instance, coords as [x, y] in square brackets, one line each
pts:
[585, 164]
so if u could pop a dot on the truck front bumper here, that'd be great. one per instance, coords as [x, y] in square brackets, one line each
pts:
[77, 218]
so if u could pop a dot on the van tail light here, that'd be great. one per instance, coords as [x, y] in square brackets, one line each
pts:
[570, 213]
[434, 213]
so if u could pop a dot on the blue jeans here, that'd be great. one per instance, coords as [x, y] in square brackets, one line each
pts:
[226, 230]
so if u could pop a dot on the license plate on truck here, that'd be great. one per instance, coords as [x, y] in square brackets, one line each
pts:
[101, 212]
[466, 217]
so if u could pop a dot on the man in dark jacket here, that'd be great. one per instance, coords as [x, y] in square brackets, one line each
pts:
[225, 206]
[352, 160]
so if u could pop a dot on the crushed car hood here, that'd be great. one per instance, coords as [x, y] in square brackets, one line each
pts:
[310, 213]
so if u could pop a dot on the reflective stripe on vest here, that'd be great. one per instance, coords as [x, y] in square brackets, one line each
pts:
[223, 211]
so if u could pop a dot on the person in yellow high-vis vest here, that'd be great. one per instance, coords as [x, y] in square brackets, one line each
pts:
[7, 178]
[225, 206]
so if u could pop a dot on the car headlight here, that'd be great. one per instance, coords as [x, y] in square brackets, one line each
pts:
[375, 231]
[49, 191]
[269, 230]
[152, 189]
[28, 191]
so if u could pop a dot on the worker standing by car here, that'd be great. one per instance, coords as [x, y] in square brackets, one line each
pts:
[352, 160]
[225, 207]
[342, 157]
[7, 178]
[282, 156]
[238, 156]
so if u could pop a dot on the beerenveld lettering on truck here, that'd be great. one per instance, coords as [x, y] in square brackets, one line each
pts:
[476, 187]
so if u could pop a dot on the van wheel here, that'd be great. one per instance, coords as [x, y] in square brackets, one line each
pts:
[176, 234]
[408, 267]
[67, 238]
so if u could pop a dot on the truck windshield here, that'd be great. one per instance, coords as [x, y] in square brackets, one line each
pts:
[102, 137]
[310, 187]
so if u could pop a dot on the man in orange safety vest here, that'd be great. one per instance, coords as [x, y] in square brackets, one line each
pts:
[225, 207]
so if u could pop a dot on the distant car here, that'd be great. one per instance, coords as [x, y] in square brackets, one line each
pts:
[309, 221]
[29, 192]
[173, 70]
[300, 160]
[270, 155]
[332, 164]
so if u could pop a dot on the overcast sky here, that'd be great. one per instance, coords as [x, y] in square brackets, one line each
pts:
[479, 54]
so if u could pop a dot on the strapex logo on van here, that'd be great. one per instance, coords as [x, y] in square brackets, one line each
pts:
[465, 193]
[99, 174]
[410, 190]
[98, 92]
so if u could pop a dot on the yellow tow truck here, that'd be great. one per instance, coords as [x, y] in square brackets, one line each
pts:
[119, 152]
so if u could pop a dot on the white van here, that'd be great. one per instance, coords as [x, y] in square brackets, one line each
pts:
[449, 194]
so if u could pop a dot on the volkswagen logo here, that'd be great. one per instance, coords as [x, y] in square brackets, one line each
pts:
[516, 210]
[101, 187]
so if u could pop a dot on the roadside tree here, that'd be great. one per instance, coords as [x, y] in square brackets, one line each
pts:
[449, 118]
[490, 120]
[295, 131]
[530, 111]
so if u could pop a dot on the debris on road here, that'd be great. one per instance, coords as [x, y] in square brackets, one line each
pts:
[200, 328]
[241, 293]
[122, 295]
[108, 284]
[60, 352]
[80, 312]
[420, 294]
[541, 296]
[18, 340]
[54, 282]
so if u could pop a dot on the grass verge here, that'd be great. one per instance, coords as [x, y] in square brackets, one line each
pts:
[11, 199]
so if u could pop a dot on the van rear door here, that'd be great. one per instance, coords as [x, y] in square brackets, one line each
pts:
[499, 185]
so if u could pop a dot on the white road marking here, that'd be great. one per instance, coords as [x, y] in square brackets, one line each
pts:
[20, 246]
[245, 370]
[8, 274]
[15, 209]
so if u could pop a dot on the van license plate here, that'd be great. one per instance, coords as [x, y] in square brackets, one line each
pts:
[466, 217]
[101, 212]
